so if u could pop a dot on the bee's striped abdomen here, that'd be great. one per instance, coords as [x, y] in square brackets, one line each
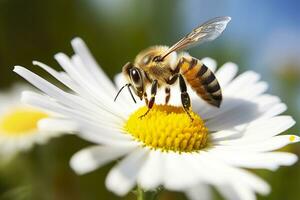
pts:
[201, 79]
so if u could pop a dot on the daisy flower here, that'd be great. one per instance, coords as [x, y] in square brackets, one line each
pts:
[22, 126]
[165, 148]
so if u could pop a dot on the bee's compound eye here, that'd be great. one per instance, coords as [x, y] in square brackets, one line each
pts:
[136, 77]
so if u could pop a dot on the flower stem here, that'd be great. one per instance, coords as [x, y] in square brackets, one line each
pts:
[140, 195]
[149, 195]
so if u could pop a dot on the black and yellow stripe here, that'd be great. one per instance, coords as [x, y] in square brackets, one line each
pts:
[201, 79]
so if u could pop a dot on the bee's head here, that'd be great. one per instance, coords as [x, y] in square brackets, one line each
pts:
[136, 79]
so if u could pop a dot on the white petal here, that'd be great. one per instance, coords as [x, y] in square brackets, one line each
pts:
[274, 143]
[241, 89]
[150, 176]
[274, 110]
[89, 83]
[186, 170]
[227, 192]
[67, 99]
[206, 170]
[83, 71]
[199, 192]
[178, 174]
[83, 52]
[270, 127]
[57, 125]
[269, 106]
[43, 85]
[91, 158]
[102, 131]
[59, 76]
[271, 144]
[236, 191]
[235, 175]
[226, 73]
[254, 160]
[244, 80]
[67, 81]
[47, 103]
[245, 112]
[262, 130]
[226, 135]
[122, 178]
[105, 100]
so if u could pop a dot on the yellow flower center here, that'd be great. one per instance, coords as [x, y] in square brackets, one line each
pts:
[168, 127]
[20, 120]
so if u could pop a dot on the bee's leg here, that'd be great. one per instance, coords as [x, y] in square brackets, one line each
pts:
[173, 79]
[152, 99]
[185, 98]
[168, 94]
[146, 98]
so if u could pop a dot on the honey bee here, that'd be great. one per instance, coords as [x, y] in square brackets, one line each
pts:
[162, 66]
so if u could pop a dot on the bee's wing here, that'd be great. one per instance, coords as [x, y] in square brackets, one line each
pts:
[208, 31]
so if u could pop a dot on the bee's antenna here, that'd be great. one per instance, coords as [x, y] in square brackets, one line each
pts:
[119, 92]
[161, 58]
[126, 85]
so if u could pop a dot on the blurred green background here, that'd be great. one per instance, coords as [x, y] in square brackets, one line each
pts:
[262, 36]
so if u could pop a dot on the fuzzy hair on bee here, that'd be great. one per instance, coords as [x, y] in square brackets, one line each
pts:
[162, 66]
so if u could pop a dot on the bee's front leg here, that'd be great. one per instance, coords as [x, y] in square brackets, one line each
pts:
[152, 99]
[185, 98]
[168, 94]
[173, 79]
[146, 98]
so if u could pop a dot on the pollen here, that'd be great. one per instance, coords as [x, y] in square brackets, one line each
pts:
[168, 128]
[292, 138]
[20, 121]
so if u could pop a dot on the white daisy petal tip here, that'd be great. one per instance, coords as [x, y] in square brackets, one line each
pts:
[122, 178]
[231, 65]
[285, 121]
[82, 162]
[17, 68]
[290, 159]
[91, 158]
[117, 183]
[57, 125]
[294, 138]
[20, 70]
[37, 63]
[250, 75]
[76, 41]
[78, 44]
[59, 56]
[292, 120]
